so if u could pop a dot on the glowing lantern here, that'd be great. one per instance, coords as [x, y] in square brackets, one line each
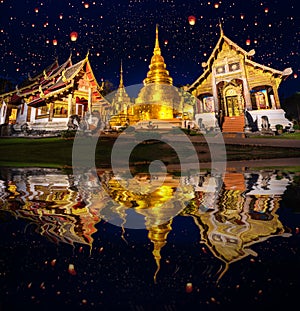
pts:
[248, 41]
[192, 20]
[36, 10]
[216, 5]
[61, 16]
[295, 76]
[266, 10]
[166, 42]
[54, 42]
[189, 287]
[73, 36]
[86, 5]
[242, 16]
[71, 269]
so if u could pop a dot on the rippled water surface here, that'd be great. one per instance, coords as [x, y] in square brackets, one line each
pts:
[225, 242]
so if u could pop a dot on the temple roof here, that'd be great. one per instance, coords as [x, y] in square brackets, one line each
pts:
[247, 56]
[54, 80]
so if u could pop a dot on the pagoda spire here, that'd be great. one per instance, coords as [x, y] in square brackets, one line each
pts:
[121, 85]
[158, 73]
[157, 48]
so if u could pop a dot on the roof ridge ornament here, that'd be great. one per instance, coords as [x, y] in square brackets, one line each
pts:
[45, 74]
[42, 95]
[64, 76]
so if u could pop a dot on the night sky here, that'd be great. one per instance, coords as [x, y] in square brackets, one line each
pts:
[114, 30]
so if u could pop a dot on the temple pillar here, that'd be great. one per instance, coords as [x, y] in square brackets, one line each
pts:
[70, 104]
[246, 94]
[215, 94]
[276, 97]
[51, 112]
[90, 100]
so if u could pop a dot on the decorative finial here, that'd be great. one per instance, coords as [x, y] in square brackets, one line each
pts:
[221, 27]
[87, 54]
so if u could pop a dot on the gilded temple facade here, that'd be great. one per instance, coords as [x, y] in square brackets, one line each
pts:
[236, 93]
[62, 97]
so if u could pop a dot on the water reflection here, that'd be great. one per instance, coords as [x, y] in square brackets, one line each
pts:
[230, 221]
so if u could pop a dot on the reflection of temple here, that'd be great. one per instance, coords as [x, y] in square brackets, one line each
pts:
[232, 83]
[245, 214]
[61, 97]
[231, 217]
[48, 200]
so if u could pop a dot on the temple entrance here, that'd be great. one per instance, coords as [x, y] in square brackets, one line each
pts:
[232, 106]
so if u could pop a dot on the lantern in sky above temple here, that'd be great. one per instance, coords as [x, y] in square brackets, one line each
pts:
[248, 41]
[192, 20]
[73, 35]
[54, 42]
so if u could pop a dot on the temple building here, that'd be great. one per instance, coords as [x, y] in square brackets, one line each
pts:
[61, 97]
[237, 94]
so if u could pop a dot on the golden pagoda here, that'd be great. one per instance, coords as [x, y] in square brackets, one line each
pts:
[158, 98]
[121, 105]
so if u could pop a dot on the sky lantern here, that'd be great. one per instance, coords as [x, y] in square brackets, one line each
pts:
[266, 10]
[166, 42]
[54, 41]
[242, 16]
[36, 10]
[86, 5]
[216, 5]
[73, 35]
[192, 20]
[248, 41]
[295, 76]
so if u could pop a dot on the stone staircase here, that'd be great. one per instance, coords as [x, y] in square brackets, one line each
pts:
[233, 124]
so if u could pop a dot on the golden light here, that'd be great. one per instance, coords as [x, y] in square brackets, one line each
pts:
[73, 35]
[54, 41]
[216, 5]
[192, 20]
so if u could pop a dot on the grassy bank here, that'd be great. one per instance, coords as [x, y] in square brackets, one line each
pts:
[57, 152]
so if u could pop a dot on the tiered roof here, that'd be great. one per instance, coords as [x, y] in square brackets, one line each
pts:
[54, 80]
